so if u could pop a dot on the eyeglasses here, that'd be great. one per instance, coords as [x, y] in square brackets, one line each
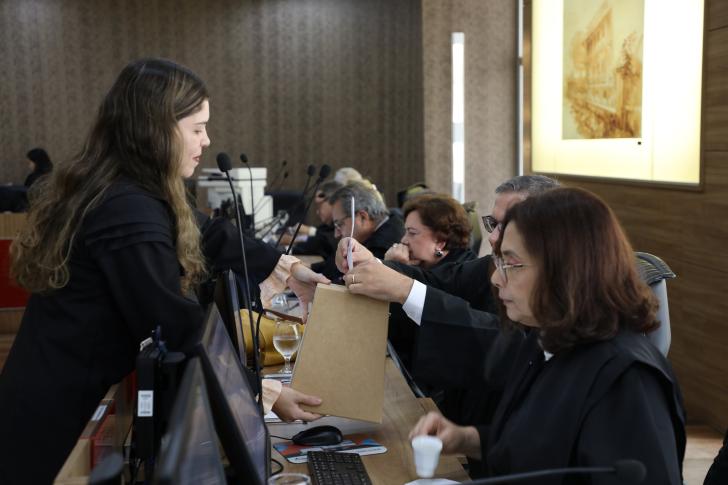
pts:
[503, 268]
[490, 223]
[340, 223]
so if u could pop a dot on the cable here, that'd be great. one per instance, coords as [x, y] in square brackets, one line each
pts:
[280, 437]
[277, 463]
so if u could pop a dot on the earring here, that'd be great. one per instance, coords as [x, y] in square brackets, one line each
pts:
[438, 253]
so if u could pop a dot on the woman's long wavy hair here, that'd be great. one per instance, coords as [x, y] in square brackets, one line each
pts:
[135, 135]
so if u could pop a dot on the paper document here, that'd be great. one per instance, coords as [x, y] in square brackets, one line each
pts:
[342, 355]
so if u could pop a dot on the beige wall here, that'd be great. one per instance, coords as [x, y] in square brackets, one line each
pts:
[689, 230]
[490, 93]
[307, 81]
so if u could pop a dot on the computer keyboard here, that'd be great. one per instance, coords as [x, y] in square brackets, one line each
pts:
[332, 468]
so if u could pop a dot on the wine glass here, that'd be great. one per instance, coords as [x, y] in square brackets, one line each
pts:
[289, 479]
[286, 340]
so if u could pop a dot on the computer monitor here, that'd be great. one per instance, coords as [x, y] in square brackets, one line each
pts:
[238, 417]
[228, 303]
[189, 451]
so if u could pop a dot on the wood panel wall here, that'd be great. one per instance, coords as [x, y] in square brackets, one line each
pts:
[307, 81]
[689, 230]
[490, 30]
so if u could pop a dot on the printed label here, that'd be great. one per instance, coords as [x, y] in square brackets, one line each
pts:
[145, 404]
[99, 412]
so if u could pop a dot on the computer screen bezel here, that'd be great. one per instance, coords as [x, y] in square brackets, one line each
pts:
[228, 302]
[180, 427]
[227, 428]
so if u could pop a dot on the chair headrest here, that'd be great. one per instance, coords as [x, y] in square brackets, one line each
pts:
[652, 269]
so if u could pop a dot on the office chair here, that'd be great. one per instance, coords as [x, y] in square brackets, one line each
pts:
[654, 271]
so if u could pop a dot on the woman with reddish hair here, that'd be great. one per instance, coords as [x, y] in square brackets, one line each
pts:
[437, 231]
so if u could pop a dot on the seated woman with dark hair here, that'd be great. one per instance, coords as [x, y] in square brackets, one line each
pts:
[437, 230]
[587, 387]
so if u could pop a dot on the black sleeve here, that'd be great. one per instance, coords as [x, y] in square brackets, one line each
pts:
[718, 472]
[458, 345]
[639, 402]
[469, 280]
[323, 243]
[221, 247]
[144, 279]
[131, 240]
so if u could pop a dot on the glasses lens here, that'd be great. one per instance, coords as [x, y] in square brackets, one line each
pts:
[499, 266]
[490, 223]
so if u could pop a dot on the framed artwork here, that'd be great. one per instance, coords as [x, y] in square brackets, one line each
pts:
[616, 89]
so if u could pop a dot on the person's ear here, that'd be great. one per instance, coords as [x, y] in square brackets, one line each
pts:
[363, 216]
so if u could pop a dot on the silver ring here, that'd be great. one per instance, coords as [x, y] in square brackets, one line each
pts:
[353, 279]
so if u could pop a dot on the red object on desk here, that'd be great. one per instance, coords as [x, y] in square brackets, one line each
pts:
[11, 295]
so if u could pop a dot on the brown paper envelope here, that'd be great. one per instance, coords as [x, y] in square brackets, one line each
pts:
[342, 355]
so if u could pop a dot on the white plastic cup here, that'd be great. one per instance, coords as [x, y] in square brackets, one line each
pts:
[427, 454]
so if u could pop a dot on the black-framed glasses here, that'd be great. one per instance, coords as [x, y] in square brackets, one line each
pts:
[338, 224]
[503, 268]
[490, 223]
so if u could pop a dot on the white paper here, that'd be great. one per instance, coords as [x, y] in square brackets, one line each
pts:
[349, 258]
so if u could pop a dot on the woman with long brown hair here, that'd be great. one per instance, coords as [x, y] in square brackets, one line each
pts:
[111, 250]
[587, 387]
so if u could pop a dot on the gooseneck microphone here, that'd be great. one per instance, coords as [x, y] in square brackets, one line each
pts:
[281, 170]
[626, 471]
[323, 173]
[224, 164]
[310, 171]
[244, 159]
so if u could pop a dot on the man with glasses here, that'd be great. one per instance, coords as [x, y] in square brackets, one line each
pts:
[373, 226]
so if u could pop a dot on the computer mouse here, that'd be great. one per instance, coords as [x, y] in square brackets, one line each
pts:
[318, 436]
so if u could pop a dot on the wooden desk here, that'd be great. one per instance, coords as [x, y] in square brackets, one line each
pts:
[401, 411]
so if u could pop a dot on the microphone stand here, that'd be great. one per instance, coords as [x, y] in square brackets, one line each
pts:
[305, 211]
[311, 169]
[246, 293]
[625, 471]
[519, 477]
[244, 159]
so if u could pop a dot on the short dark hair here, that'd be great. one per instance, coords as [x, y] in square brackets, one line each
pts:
[445, 216]
[588, 286]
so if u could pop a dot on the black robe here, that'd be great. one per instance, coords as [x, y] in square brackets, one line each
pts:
[323, 243]
[403, 332]
[75, 342]
[589, 406]
[461, 356]
[387, 234]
